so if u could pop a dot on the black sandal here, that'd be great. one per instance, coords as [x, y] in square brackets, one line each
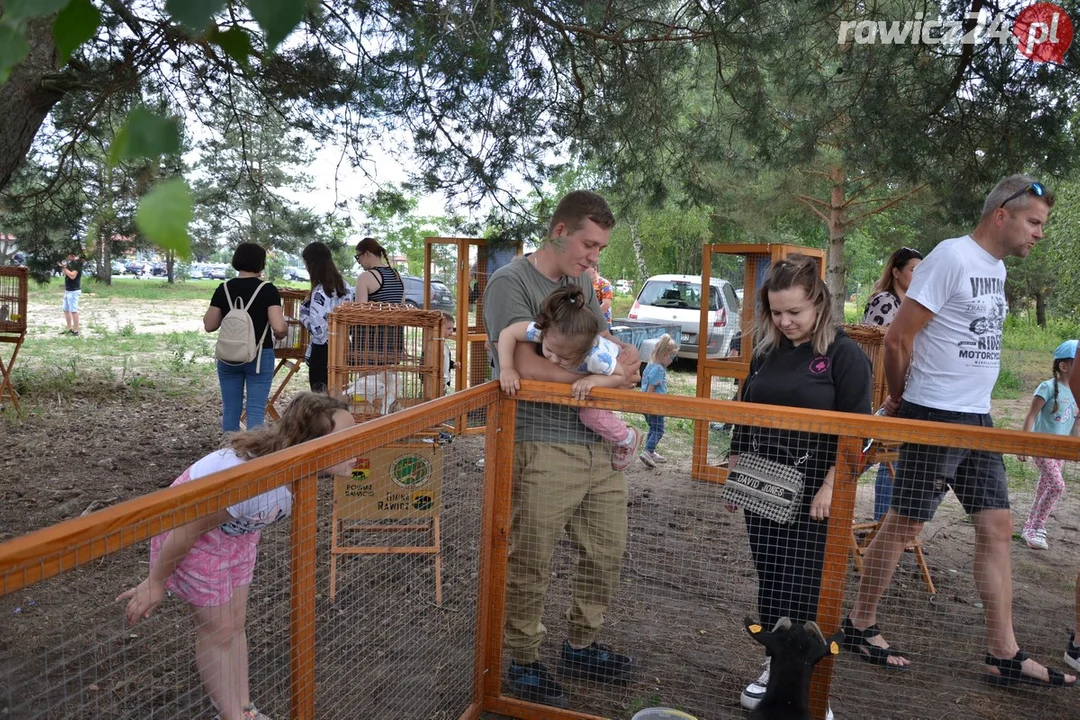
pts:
[859, 640]
[1012, 673]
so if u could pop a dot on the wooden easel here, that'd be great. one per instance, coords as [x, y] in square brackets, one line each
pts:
[289, 351]
[395, 488]
[14, 291]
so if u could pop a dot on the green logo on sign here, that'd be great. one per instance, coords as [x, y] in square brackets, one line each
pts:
[410, 471]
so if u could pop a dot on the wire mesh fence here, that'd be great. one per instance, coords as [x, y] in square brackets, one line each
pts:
[648, 561]
[385, 646]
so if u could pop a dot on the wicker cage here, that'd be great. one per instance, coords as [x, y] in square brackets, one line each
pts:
[14, 290]
[295, 342]
[871, 338]
[384, 357]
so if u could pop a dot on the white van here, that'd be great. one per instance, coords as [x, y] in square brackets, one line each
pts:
[677, 298]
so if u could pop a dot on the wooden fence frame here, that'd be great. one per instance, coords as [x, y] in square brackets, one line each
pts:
[48, 552]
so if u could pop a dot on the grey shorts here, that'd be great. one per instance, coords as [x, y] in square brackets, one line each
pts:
[924, 473]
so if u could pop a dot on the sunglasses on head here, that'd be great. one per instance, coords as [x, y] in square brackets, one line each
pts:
[907, 253]
[1036, 188]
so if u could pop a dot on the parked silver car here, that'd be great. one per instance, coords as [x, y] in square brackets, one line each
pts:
[677, 298]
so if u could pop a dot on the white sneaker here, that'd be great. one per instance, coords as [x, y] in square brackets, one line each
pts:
[1035, 539]
[647, 458]
[753, 693]
[657, 457]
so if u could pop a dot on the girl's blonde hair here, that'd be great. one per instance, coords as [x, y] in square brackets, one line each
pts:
[796, 270]
[308, 416]
[665, 346]
[566, 312]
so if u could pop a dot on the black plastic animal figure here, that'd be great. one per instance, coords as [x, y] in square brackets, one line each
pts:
[794, 650]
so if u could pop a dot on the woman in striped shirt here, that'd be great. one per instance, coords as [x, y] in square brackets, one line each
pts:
[378, 283]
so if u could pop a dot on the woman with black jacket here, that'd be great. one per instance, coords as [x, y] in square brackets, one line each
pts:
[801, 359]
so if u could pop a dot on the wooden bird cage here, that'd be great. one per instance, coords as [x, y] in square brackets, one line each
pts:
[14, 290]
[384, 357]
[295, 342]
[754, 262]
[289, 350]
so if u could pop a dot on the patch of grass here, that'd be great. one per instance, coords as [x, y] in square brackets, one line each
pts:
[1022, 475]
[133, 289]
[1009, 384]
[130, 364]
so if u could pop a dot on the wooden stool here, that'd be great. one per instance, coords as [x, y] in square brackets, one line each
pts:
[886, 455]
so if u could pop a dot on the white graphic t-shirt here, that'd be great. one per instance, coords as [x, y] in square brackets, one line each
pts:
[956, 357]
[250, 515]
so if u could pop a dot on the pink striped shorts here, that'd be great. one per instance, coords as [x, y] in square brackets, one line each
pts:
[214, 567]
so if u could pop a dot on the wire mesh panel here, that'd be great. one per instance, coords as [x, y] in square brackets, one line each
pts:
[396, 635]
[692, 571]
[224, 615]
[246, 619]
[385, 357]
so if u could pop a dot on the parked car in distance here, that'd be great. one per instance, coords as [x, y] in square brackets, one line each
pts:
[677, 298]
[296, 274]
[217, 272]
[116, 267]
[137, 267]
[624, 286]
[441, 297]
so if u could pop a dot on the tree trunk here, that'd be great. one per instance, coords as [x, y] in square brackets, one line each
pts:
[835, 269]
[24, 100]
[170, 265]
[1040, 309]
[639, 252]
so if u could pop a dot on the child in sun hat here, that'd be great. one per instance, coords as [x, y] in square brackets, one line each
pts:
[1053, 410]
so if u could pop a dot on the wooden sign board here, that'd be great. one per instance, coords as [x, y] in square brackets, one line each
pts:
[395, 482]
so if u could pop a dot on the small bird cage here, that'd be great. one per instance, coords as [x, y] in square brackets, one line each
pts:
[384, 357]
[14, 288]
[294, 344]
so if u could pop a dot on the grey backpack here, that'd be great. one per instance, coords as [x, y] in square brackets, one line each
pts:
[236, 343]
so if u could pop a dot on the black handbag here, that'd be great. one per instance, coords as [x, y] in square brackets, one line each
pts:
[769, 488]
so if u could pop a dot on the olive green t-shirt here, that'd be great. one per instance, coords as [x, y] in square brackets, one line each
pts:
[514, 294]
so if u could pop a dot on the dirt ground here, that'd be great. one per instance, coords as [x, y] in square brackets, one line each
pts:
[384, 650]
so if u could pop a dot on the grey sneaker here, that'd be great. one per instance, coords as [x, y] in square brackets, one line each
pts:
[646, 457]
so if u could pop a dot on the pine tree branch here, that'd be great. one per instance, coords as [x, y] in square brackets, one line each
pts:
[896, 200]
[809, 202]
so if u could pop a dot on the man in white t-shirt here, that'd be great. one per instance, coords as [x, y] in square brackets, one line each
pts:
[942, 355]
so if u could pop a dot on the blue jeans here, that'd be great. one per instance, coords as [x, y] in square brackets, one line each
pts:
[882, 491]
[656, 431]
[233, 378]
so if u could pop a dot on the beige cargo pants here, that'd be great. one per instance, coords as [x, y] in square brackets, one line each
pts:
[557, 487]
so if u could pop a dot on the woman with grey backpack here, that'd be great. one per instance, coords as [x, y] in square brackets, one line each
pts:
[246, 313]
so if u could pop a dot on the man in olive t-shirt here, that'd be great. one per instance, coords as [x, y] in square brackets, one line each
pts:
[562, 471]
